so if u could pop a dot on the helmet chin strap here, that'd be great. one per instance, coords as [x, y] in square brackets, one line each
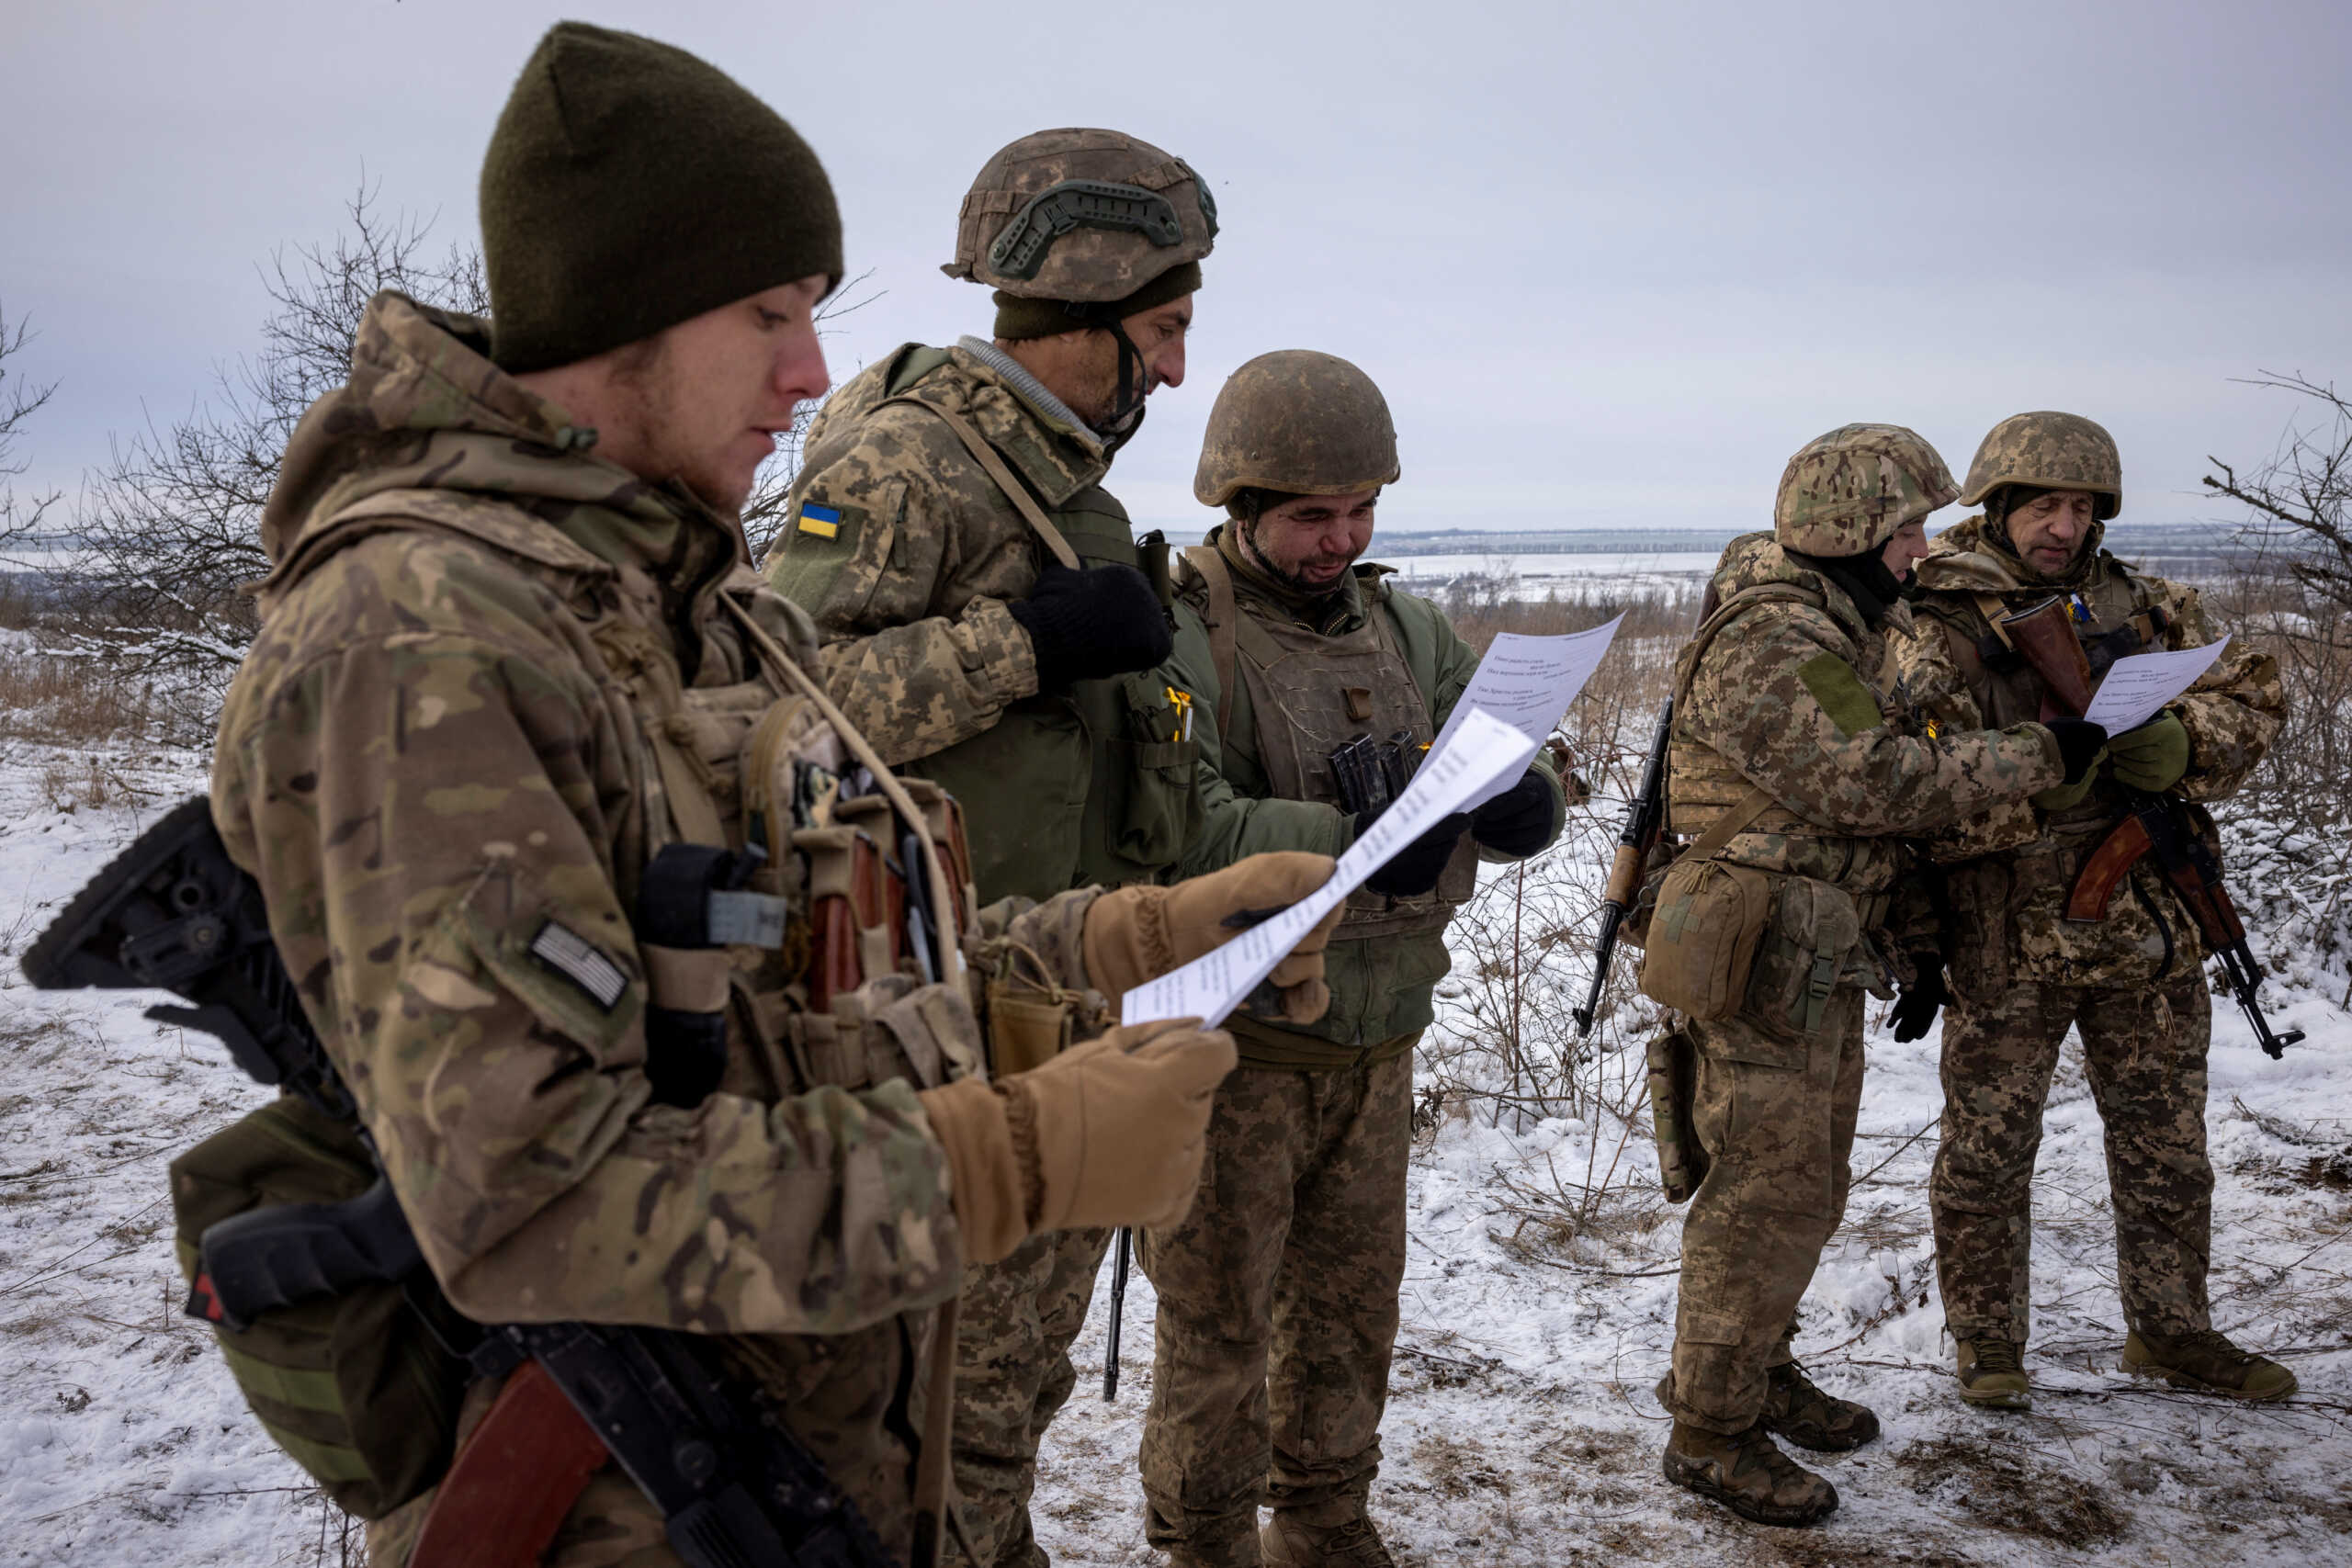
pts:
[1128, 408]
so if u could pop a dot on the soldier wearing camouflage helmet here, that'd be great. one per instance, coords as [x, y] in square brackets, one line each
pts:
[990, 621]
[2020, 974]
[514, 673]
[1795, 766]
[1277, 1296]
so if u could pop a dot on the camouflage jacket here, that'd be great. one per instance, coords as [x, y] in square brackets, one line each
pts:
[1266, 784]
[1798, 695]
[906, 553]
[2012, 865]
[490, 668]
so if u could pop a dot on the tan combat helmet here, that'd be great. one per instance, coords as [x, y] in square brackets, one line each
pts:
[1849, 490]
[1300, 422]
[2049, 451]
[1088, 217]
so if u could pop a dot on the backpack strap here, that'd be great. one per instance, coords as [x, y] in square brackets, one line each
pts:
[1730, 825]
[1006, 481]
[1217, 579]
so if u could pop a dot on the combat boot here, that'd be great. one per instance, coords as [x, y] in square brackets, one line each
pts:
[1338, 1533]
[1992, 1373]
[1748, 1474]
[1796, 1410]
[2204, 1362]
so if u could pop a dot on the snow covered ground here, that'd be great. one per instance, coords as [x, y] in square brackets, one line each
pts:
[1522, 1429]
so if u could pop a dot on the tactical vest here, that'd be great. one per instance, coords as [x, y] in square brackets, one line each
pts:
[807, 976]
[2010, 869]
[1708, 796]
[1092, 785]
[1310, 693]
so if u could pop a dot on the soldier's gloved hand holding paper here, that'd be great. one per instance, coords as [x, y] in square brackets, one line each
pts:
[1483, 755]
[2136, 689]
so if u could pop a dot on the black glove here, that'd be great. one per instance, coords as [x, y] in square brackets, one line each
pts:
[1087, 626]
[1518, 822]
[2079, 744]
[1414, 870]
[1917, 1005]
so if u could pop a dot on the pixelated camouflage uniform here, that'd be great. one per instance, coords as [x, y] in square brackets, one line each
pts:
[1278, 1293]
[1794, 692]
[1092, 784]
[485, 655]
[2020, 973]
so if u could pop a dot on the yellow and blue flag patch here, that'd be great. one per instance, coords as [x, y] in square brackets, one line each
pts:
[822, 521]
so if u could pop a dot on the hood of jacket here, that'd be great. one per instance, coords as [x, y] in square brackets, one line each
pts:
[425, 409]
[1973, 557]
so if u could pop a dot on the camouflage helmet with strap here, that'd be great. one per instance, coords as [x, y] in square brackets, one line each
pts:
[1298, 422]
[1849, 490]
[2049, 451]
[1088, 217]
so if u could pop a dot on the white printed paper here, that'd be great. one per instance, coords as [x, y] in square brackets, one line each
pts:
[1528, 682]
[1484, 748]
[2136, 689]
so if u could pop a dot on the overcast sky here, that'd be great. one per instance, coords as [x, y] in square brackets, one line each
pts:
[1610, 263]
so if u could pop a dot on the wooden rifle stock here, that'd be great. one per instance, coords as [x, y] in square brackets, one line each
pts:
[2045, 637]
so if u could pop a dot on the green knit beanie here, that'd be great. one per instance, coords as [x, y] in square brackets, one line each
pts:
[1017, 319]
[630, 186]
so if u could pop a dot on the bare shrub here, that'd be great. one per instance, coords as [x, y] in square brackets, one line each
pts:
[20, 516]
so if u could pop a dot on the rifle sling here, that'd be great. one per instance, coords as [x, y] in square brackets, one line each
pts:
[1217, 578]
[1006, 481]
[1730, 825]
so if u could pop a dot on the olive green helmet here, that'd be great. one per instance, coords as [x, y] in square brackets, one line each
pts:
[2049, 451]
[1849, 490]
[1297, 420]
[1082, 216]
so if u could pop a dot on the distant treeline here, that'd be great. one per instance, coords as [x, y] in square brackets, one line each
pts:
[2168, 539]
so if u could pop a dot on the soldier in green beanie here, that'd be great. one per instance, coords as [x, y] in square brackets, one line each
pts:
[517, 720]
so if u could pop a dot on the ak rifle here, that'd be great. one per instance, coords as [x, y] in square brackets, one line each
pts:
[1645, 819]
[736, 1490]
[2162, 825]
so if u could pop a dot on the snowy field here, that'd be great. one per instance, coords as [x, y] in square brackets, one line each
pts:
[1537, 1309]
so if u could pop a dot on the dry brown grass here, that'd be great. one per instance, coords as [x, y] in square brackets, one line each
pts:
[69, 702]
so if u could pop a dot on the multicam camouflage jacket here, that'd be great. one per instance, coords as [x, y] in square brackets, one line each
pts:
[1794, 692]
[1378, 660]
[906, 553]
[2012, 865]
[495, 674]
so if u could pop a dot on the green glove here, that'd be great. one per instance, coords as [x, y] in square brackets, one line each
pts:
[2066, 796]
[2152, 757]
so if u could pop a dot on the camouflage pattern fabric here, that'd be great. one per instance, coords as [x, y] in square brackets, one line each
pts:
[1789, 689]
[1777, 1122]
[2143, 1051]
[1278, 1304]
[914, 555]
[906, 553]
[439, 759]
[2010, 866]
[1013, 1376]
[2020, 971]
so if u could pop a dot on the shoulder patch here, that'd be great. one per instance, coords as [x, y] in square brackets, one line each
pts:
[582, 962]
[822, 521]
[1841, 694]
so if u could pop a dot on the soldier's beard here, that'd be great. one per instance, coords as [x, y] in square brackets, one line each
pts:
[1293, 577]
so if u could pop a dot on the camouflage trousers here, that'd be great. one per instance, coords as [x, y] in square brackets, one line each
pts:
[1277, 1305]
[2143, 1051]
[1012, 1377]
[1776, 1121]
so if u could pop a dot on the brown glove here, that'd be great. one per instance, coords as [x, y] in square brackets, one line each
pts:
[1134, 934]
[984, 1174]
[1110, 1132]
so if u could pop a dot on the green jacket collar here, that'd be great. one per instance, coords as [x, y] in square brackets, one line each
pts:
[1343, 610]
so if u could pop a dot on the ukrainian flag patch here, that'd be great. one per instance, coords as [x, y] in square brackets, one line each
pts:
[822, 521]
